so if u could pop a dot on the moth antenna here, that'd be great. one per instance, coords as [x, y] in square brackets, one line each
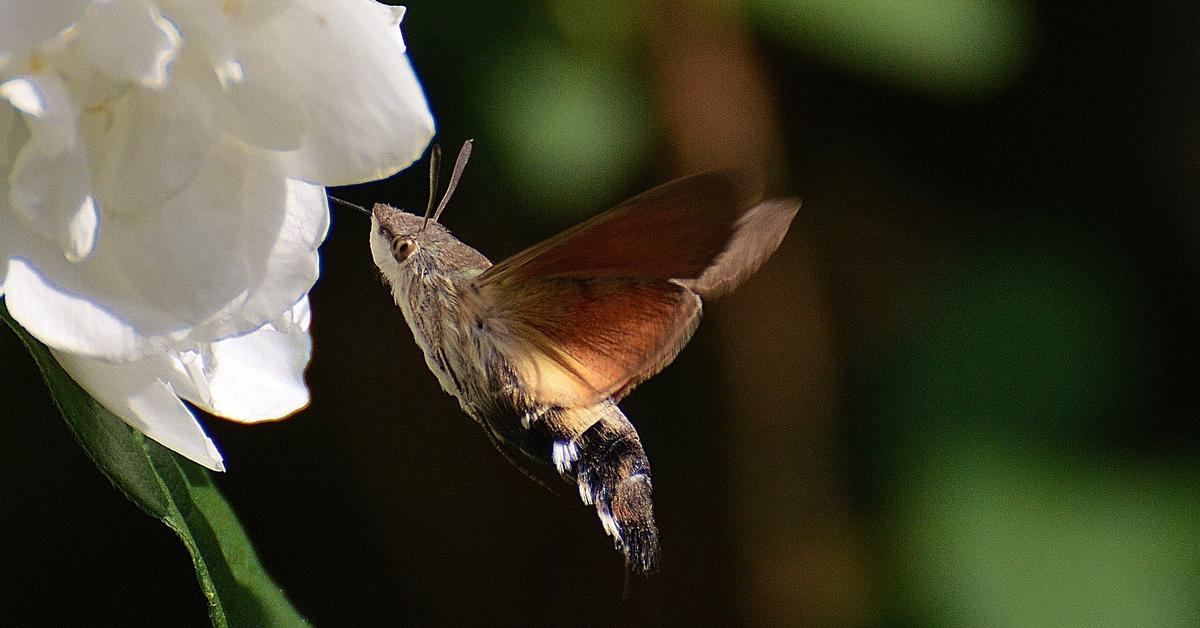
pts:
[460, 164]
[349, 204]
[435, 164]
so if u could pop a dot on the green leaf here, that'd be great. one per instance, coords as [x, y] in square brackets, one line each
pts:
[177, 491]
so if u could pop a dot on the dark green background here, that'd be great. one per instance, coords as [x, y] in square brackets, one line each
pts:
[964, 392]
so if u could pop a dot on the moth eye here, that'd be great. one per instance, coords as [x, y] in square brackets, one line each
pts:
[403, 248]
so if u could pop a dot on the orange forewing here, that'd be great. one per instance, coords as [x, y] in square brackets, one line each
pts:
[597, 309]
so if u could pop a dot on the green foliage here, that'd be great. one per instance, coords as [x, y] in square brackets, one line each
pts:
[1030, 333]
[991, 537]
[952, 48]
[570, 146]
[177, 491]
[1006, 505]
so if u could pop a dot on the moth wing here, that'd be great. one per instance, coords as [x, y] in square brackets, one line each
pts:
[574, 342]
[673, 231]
[597, 309]
[759, 231]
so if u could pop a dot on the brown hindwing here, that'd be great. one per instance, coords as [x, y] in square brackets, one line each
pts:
[577, 341]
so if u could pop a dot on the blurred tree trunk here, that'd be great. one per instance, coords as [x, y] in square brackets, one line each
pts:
[803, 555]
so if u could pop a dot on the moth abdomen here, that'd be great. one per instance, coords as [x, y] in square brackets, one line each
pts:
[599, 451]
[613, 472]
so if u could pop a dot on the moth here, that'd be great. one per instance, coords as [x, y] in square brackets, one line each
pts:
[540, 348]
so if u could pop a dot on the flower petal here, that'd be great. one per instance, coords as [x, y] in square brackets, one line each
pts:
[64, 320]
[49, 189]
[132, 391]
[290, 268]
[24, 25]
[146, 46]
[206, 247]
[255, 377]
[77, 237]
[155, 280]
[44, 97]
[13, 135]
[263, 108]
[147, 147]
[367, 114]
[46, 180]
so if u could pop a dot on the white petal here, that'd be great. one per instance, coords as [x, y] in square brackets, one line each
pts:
[366, 113]
[292, 265]
[263, 107]
[49, 183]
[46, 98]
[13, 135]
[147, 147]
[129, 39]
[132, 391]
[64, 320]
[155, 280]
[49, 180]
[25, 95]
[251, 94]
[80, 307]
[199, 257]
[250, 378]
[24, 25]
[296, 319]
[79, 234]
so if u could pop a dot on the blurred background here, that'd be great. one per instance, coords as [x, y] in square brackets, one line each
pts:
[964, 392]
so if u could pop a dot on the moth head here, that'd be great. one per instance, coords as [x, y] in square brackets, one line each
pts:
[406, 234]
[400, 239]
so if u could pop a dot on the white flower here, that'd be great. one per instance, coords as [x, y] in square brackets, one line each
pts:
[160, 198]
